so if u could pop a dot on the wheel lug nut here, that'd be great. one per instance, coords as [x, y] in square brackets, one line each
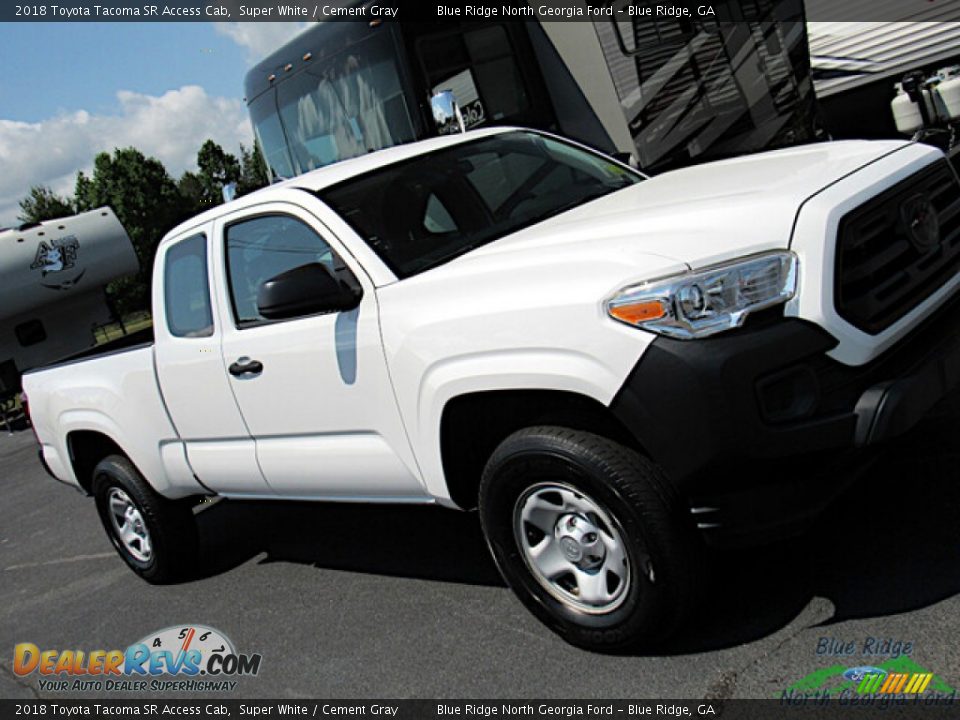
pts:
[572, 523]
[590, 538]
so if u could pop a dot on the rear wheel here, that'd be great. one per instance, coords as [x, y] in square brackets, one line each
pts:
[591, 537]
[155, 536]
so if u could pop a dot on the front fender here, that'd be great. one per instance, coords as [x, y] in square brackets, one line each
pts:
[524, 369]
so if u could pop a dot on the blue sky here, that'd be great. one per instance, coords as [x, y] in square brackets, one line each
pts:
[75, 89]
[67, 66]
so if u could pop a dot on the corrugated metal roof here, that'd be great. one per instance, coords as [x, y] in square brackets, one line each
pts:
[913, 34]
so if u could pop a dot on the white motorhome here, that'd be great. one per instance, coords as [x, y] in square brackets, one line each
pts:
[52, 280]
[669, 92]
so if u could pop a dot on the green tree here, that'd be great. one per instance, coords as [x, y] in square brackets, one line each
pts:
[253, 170]
[192, 192]
[216, 169]
[43, 204]
[147, 202]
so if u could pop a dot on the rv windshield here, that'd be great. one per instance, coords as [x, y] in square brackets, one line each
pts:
[422, 212]
[339, 106]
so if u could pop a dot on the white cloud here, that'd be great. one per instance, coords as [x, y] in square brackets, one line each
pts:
[260, 38]
[170, 127]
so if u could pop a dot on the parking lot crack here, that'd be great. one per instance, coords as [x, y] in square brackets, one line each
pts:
[724, 686]
[61, 561]
[13, 676]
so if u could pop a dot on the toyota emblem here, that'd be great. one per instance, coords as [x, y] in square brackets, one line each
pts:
[921, 222]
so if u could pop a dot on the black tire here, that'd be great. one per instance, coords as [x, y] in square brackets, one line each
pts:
[170, 523]
[664, 552]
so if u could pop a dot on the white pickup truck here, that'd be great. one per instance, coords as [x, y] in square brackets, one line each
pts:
[615, 370]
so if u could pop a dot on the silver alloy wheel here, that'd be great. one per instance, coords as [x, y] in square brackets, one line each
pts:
[128, 525]
[572, 547]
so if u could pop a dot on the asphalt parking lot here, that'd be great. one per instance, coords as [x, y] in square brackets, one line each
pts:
[351, 602]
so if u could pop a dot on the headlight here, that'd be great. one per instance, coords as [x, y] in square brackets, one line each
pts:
[695, 305]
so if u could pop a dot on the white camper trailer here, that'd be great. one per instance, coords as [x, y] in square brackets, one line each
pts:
[52, 279]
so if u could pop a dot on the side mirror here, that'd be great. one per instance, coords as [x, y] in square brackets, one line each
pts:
[446, 113]
[306, 290]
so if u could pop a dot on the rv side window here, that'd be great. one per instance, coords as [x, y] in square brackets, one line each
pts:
[186, 289]
[480, 68]
[343, 105]
[30, 333]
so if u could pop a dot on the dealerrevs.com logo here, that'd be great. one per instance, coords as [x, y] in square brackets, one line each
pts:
[182, 657]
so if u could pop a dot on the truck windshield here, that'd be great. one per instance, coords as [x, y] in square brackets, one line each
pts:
[420, 213]
[341, 105]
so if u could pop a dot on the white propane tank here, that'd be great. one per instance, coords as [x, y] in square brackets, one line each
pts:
[948, 91]
[906, 113]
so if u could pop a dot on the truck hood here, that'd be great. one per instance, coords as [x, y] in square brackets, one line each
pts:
[696, 216]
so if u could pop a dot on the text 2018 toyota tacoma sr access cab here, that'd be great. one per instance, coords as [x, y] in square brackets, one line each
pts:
[614, 370]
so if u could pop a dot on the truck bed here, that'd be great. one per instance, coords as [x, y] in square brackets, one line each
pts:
[110, 390]
[134, 341]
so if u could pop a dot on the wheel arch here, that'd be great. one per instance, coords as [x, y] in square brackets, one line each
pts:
[86, 449]
[473, 424]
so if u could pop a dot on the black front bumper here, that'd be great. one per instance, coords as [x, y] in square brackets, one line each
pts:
[761, 430]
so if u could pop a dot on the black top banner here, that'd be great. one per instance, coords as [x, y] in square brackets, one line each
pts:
[426, 11]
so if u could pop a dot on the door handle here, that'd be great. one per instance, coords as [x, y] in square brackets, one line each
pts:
[246, 366]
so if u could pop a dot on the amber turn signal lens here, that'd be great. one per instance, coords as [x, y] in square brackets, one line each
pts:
[640, 312]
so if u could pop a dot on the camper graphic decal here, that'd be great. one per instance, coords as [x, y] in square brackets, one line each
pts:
[55, 257]
[52, 260]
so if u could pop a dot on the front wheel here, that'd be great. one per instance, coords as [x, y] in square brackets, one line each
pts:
[591, 537]
[155, 536]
